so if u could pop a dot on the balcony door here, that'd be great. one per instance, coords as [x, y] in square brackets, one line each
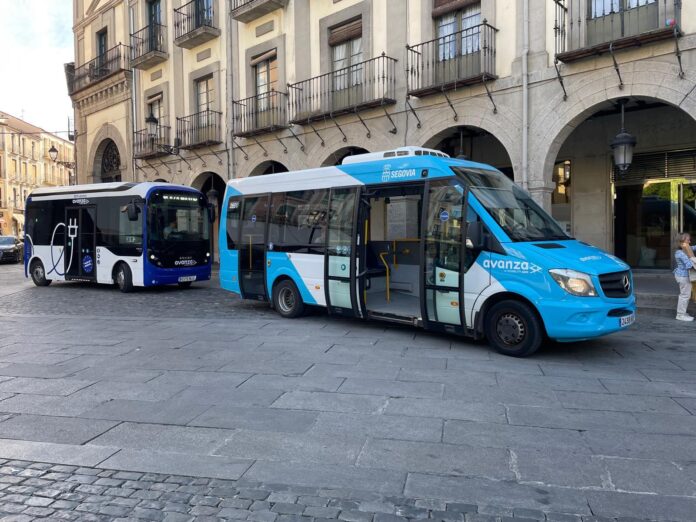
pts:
[348, 75]
[203, 122]
[266, 78]
[610, 20]
[154, 20]
[459, 45]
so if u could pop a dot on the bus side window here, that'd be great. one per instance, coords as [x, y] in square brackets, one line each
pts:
[235, 207]
[470, 255]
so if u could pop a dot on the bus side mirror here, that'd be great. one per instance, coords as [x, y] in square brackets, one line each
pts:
[132, 211]
[475, 236]
[211, 213]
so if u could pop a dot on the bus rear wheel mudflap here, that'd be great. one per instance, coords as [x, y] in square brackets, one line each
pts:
[123, 278]
[38, 273]
[287, 299]
[513, 328]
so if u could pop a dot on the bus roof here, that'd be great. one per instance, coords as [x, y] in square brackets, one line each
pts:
[102, 190]
[389, 170]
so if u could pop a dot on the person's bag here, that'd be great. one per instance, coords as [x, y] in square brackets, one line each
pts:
[692, 275]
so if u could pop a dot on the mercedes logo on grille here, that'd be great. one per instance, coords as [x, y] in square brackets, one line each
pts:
[626, 284]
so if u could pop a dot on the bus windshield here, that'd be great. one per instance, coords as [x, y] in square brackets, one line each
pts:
[178, 227]
[511, 207]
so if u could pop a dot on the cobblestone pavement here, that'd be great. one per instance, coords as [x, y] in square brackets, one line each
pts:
[195, 401]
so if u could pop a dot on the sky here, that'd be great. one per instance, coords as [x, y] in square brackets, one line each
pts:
[36, 40]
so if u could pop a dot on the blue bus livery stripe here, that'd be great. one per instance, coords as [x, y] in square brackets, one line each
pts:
[279, 264]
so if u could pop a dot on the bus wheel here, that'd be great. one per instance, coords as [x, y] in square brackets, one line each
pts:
[124, 278]
[38, 274]
[512, 328]
[287, 299]
[184, 284]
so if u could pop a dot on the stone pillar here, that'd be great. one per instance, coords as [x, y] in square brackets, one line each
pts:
[541, 193]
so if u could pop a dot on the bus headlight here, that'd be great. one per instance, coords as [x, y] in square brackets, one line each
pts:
[574, 282]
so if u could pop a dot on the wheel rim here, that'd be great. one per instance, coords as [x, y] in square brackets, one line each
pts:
[38, 272]
[286, 300]
[511, 329]
[120, 278]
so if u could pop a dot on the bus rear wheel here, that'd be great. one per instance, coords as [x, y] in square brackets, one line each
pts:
[38, 274]
[123, 278]
[287, 299]
[512, 328]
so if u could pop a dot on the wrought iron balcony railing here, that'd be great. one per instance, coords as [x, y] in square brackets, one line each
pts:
[585, 28]
[98, 69]
[149, 46]
[462, 58]
[146, 146]
[194, 23]
[363, 85]
[259, 114]
[201, 129]
[249, 10]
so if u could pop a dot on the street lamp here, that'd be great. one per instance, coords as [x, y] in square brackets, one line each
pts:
[53, 153]
[152, 124]
[623, 144]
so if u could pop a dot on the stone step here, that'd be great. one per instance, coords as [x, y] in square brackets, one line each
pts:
[663, 305]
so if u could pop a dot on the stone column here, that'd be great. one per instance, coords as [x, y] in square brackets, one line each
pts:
[541, 193]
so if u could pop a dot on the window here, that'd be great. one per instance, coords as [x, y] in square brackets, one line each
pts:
[347, 54]
[235, 207]
[154, 12]
[205, 94]
[102, 43]
[154, 107]
[266, 78]
[465, 22]
[33, 150]
[599, 8]
[298, 220]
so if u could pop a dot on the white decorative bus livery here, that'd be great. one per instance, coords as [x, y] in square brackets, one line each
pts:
[131, 234]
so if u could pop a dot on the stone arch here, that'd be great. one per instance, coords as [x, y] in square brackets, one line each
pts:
[475, 113]
[106, 133]
[160, 180]
[268, 167]
[336, 157]
[560, 118]
[205, 182]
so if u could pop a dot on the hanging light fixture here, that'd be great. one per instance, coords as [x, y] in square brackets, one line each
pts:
[623, 144]
[152, 124]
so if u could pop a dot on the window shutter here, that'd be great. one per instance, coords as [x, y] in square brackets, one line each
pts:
[345, 32]
[665, 165]
[262, 57]
[443, 7]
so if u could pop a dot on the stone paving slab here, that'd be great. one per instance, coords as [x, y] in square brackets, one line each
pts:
[363, 422]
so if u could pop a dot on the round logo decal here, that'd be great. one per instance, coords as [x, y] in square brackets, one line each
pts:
[87, 264]
[444, 215]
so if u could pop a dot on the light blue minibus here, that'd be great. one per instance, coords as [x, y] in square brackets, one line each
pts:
[412, 236]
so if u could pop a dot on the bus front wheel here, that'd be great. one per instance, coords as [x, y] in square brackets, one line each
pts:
[38, 274]
[123, 278]
[287, 299]
[512, 328]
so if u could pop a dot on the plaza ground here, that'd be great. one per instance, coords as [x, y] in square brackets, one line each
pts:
[124, 405]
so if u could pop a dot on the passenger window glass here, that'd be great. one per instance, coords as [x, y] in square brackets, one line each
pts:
[233, 210]
[299, 219]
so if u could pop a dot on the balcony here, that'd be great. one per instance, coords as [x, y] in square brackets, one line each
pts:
[99, 69]
[146, 146]
[202, 129]
[260, 114]
[194, 24]
[360, 86]
[463, 58]
[149, 46]
[249, 10]
[584, 28]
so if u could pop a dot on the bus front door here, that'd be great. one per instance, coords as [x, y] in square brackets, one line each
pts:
[80, 244]
[443, 225]
[252, 247]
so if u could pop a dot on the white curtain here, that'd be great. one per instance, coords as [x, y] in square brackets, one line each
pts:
[340, 64]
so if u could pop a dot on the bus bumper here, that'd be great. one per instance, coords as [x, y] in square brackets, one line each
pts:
[576, 321]
[168, 276]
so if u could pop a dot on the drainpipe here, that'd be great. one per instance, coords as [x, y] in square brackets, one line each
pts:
[525, 93]
[133, 86]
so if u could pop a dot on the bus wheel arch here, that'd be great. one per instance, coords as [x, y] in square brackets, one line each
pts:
[123, 277]
[37, 271]
[286, 298]
[512, 311]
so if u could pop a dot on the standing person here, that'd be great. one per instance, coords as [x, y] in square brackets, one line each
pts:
[685, 259]
[688, 250]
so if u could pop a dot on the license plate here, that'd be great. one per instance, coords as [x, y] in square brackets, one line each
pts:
[627, 320]
[186, 279]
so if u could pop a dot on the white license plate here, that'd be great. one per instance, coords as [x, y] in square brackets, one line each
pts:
[186, 279]
[627, 320]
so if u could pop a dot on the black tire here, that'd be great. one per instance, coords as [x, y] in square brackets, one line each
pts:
[185, 284]
[287, 299]
[513, 328]
[123, 278]
[38, 273]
